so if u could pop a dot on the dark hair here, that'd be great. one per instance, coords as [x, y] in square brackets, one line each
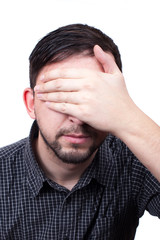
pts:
[68, 41]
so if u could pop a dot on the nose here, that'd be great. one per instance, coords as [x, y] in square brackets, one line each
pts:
[75, 120]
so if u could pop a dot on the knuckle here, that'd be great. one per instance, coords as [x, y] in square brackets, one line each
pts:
[88, 85]
[63, 107]
[57, 84]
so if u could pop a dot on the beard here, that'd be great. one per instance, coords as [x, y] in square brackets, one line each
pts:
[75, 154]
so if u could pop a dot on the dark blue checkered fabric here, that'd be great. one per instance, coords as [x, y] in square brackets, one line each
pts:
[106, 203]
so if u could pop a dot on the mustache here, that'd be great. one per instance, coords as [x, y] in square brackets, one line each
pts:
[85, 130]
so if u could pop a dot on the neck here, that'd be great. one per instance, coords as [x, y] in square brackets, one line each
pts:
[55, 169]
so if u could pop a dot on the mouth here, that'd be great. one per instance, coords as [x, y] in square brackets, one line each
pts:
[76, 138]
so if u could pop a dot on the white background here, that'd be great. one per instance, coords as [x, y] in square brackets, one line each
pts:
[134, 26]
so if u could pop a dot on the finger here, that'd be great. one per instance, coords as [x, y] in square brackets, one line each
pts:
[61, 97]
[106, 59]
[63, 73]
[65, 108]
[59, 85]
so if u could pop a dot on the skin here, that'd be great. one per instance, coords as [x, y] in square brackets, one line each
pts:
[75, 137]
[82, 93]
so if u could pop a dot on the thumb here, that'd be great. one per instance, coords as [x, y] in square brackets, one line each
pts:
[106, 59]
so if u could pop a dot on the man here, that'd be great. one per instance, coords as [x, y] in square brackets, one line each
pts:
[73, 178]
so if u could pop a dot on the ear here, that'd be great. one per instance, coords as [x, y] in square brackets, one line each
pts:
[29, 102]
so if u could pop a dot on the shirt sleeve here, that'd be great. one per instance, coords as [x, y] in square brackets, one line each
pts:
[146, 189]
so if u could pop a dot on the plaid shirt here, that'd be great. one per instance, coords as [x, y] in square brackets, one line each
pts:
[106, 203]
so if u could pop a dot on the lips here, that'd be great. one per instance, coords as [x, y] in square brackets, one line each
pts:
[76, 138]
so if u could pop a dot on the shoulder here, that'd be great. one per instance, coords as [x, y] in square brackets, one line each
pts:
[12, 149]
[12, 171]
[12, 167]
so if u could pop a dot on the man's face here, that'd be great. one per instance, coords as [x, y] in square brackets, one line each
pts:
[66, 137]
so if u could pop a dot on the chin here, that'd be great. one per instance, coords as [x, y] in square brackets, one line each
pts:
[74, 157]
